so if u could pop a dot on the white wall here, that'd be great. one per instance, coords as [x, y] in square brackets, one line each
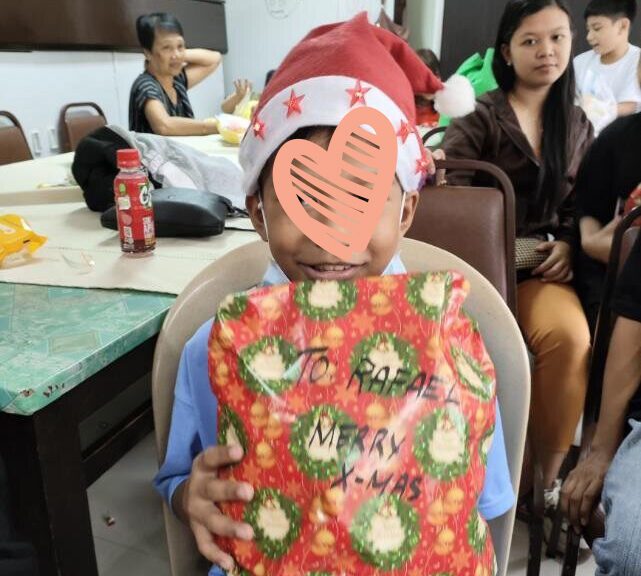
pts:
[259, 41]
[424, 18]
[36, 85]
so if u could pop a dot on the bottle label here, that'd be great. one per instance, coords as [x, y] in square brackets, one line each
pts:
[135, 212]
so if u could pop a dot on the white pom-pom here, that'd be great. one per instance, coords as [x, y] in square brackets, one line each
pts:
[456, 99]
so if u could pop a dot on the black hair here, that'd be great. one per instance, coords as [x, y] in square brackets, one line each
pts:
[557, 109]
[431, 60]
[268, 76]
[147, 24]
[613, 9]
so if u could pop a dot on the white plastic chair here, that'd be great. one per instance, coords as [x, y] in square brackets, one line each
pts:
[244, 267]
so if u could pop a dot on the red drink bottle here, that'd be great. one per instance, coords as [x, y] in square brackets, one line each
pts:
[133, 203]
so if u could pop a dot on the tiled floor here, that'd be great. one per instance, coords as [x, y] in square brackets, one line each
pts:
[135, 544]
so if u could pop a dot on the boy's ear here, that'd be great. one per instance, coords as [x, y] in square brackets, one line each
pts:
[624, 25]
[252, 203]
[409, 210]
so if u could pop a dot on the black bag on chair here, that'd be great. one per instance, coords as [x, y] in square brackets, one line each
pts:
[183, 212]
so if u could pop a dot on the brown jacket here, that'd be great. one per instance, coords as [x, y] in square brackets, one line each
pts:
[492, 133]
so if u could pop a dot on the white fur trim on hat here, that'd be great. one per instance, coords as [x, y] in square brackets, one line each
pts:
[326, 102]
[457, 97]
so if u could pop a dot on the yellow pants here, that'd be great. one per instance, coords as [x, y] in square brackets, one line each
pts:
[557, 334]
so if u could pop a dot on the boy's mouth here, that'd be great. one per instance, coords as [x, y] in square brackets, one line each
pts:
[331, 271]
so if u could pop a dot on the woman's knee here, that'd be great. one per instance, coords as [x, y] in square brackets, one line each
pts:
[565, 337]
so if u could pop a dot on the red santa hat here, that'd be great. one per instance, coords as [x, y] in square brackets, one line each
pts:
[336, 68]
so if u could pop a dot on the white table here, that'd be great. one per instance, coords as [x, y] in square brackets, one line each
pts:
[55, 171]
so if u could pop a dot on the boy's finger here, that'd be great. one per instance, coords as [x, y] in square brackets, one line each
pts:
[228, 490]
[224, 526]
[209, 550]
[217, 456]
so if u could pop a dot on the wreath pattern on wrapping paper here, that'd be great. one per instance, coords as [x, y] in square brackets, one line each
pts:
[361, 526]
[405, 351]
[268, 387]
[415, 287]
[229, 419]
[304, 424]
[424, 436]
[273, 548]
[348, 294]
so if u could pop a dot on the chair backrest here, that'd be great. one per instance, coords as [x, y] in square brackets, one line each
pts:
[13, 143]
[474, 223]
[75, 125]
[427, 137]
[200, 299]
[622, 242]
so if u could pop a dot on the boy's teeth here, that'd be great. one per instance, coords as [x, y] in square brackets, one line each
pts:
[331, 267]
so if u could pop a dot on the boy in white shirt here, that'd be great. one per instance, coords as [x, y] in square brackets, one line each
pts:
[606, 75]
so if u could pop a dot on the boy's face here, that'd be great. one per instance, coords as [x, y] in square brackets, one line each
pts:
[301, 259]
[607, 34]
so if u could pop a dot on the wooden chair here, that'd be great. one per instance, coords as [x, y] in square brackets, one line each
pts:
[624, 238]
[474, 223]
[200, 299]
[13, 143]
[76, 122]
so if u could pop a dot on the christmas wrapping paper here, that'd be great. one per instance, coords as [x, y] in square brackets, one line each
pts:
[366, 412]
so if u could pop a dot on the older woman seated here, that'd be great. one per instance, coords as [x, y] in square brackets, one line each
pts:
[158, 102]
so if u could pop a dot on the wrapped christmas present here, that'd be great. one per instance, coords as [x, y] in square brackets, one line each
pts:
[366, 412]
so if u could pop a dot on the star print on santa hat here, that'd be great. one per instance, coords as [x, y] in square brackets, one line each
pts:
[358, 94]
[258, 126]
[293, 103]
[422, 165]
[404, 131]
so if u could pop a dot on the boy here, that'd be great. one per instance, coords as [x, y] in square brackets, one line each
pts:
[332, 70]
[607, 73]
[618, 552]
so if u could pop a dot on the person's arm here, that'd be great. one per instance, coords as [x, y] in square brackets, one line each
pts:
[497, 496]
[241, 88]
[200, 64]
[626, 108]
[582, 137]
[596, 239]
[595, 195]
[620, 382]
[165, 125]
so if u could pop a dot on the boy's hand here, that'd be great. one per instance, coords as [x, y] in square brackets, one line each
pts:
[202, 490]
[582, 487]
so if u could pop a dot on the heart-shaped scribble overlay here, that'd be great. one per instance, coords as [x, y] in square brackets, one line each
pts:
[336, 196]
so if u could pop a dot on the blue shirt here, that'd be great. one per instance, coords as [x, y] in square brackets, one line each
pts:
[195, 405]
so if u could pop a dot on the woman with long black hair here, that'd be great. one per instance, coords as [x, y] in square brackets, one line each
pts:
[531, 129]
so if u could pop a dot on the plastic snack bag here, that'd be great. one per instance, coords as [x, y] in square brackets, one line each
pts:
[17, 239]
[232, 128]
[366, 411]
